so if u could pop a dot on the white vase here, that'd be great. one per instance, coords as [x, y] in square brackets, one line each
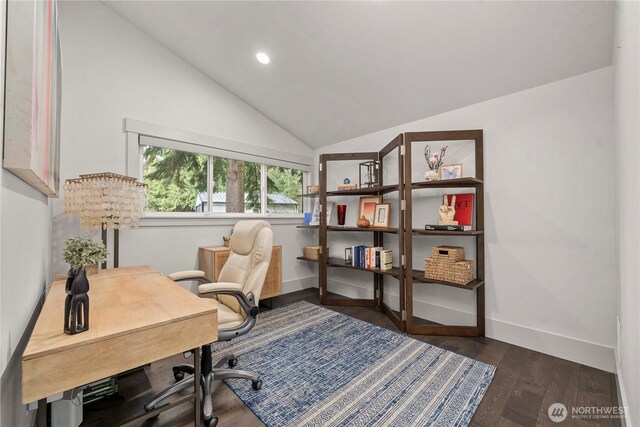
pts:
[431, 176]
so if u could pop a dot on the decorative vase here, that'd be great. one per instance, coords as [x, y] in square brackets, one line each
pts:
[226, 241]
[342, 213]
[76, 304]
[431, 176]
[363, 222]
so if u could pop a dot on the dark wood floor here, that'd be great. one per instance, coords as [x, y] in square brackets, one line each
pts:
[526, 383]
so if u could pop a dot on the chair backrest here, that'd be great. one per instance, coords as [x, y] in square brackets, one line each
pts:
[251, 245]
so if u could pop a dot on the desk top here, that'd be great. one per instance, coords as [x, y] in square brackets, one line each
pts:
[123, 303]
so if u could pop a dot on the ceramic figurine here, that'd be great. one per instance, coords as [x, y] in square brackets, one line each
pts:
[447, 212]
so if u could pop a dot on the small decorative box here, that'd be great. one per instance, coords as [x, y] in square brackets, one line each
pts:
[448, 254]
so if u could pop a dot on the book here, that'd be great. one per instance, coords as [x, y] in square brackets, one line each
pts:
[447, 227]
[386, 259]
[342, 187]
[464, 208]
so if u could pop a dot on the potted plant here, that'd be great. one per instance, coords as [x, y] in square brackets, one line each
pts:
[84, 253]
[79, 253]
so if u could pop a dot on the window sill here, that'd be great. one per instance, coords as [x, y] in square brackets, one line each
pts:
[189, 219]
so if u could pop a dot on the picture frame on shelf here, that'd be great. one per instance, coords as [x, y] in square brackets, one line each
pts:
[381, 217]
[315, 216]
[368, 207]
[348, 256]
[450, 171]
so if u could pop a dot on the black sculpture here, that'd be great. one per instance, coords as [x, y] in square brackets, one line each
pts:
[76, 305]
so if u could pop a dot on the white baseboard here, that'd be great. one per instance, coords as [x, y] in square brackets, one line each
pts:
[569, 348]
[622, 394]
[299, 284]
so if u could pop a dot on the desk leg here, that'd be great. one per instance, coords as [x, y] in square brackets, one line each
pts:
[197, 387]
[42, 413]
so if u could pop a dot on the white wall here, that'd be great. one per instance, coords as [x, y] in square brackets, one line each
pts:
[627, 140]
[112, 71]
[549, 214]
[25, 269]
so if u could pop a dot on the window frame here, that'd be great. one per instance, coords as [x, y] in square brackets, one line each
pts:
[141, 134]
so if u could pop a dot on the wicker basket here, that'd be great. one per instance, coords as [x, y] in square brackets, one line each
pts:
[311, 252]
[313, 189]
[460, 272]
[448, 254]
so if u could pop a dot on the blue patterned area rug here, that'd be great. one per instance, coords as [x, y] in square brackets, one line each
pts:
[322, 368]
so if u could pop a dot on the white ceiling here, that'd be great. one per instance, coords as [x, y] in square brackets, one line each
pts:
[344, 69]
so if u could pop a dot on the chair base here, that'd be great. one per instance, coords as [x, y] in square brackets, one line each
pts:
[184, 374]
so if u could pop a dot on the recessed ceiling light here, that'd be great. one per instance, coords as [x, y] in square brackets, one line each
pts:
[263, 58]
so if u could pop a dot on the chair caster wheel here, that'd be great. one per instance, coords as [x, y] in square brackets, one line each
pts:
[256, 385]
[233, 362]
[211, 422]
[178, 375]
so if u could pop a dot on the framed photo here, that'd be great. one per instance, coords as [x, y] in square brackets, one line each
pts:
[452, 171]
[381, 218]
[315, 216]
[348, 256]
[368, 207]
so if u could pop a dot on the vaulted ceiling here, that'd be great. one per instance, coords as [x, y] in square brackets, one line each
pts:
[344, 69]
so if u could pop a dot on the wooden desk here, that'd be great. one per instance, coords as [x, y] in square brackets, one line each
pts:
[211, 259]
[136, 316]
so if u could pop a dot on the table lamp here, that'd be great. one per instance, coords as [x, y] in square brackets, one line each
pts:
[105, 201]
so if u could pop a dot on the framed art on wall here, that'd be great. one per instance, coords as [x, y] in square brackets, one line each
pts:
[33, 94]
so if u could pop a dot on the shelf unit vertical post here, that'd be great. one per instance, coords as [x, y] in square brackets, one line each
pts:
[322, 267]
[480, 308]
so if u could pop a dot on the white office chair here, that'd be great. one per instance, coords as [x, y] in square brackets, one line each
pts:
[238, 293]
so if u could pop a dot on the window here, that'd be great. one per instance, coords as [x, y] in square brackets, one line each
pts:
[174, 178]
[181, 181]
[284, 190]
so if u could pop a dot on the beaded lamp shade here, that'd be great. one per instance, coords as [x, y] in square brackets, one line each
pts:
[105, 200]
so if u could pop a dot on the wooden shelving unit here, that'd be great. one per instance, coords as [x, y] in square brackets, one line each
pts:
[404, 273]
[378, 233]
[417, 276]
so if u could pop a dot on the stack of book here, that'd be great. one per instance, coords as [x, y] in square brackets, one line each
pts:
[99, 389]
[369, 257]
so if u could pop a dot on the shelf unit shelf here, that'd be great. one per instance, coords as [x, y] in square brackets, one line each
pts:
[302, 258]
[339, 228]
[339, 263]
[366, 191]
[418, 276]
[468, 182]
[419, 232]
[369, 229]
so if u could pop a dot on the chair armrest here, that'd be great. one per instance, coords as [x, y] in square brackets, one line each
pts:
[208, 288]
[232, 289]
[188, 275]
